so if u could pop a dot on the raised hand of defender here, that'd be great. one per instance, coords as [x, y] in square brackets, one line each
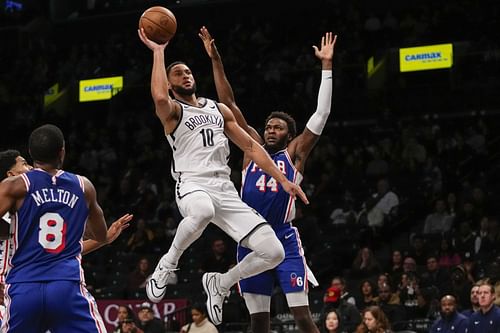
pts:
[149, 43]
[294, 190]
[209, 43]
[117, 227]
[326, 49]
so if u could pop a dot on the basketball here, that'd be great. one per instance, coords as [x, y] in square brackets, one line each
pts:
[159, 24]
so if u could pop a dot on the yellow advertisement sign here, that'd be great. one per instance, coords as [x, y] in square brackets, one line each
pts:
[100, 89]
[425, 57]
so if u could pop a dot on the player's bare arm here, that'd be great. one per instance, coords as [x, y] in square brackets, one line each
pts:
[12, 192]
[222, 85]
[114, 231]
[300, 147]
[255, 151]
[96, 224]
[166, 109]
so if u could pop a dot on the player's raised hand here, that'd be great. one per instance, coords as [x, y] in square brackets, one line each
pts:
[117, 227]
[209, 43]
[149, 43]
[326, 49]
[295, 190]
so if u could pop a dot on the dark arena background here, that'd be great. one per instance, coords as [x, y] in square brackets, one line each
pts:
[430, 137]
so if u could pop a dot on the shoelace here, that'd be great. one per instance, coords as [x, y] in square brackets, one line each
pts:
[165, 272]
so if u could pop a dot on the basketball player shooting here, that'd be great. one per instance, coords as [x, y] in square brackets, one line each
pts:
[196, 130]
[260, 191]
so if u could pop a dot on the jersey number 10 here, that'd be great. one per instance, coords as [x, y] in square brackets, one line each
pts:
[208, 137]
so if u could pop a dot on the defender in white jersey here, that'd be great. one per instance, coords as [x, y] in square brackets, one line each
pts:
[260, 191]
[196, 130]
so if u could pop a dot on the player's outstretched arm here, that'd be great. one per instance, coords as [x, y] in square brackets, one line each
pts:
[12, 189]
[114, 231]
[255, 151]
[224, 90]
[302, 145]
[166, 108]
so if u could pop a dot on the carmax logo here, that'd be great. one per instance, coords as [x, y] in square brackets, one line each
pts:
[100, 89]
[425, 57]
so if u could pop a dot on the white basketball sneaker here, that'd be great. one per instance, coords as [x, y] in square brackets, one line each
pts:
[156, 285]
[215, 296]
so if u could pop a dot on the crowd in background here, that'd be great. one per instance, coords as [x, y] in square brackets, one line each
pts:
[403, 207]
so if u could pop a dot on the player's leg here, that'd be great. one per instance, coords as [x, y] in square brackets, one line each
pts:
[197, 209]
[256, 292]
[266, 253]
[299, 307]
[292, 273]
[259, 307]
[71, 308]
[248, 228]
[23, 308]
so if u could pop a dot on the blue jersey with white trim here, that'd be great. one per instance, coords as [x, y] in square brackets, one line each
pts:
[264, 194]
[48, 229]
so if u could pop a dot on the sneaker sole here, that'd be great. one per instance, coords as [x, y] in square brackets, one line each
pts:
[212, 314]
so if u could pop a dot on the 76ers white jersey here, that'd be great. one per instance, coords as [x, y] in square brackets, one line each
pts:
[198, 143]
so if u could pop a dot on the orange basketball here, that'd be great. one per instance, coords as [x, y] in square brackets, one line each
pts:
[159, 24]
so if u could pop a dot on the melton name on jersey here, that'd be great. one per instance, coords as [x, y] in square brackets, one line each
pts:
[263, 193]
[198, 142]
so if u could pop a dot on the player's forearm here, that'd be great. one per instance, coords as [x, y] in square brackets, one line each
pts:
[94, 235]
[222, 85]
[226, 95]
[90, 245]
[319, 118]
[159, 83]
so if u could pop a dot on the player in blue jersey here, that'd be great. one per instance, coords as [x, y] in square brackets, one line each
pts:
[50, 210]
[261, 192]
[12, 163]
